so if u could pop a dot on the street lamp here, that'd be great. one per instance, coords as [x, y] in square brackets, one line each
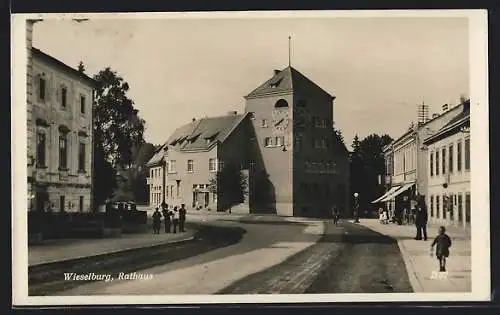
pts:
[356, 208]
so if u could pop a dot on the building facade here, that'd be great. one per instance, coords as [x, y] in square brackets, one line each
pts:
[407, 164]
[198, 153]
[284, 148]
[448, 176]
[304, 168]
[60, 136]
[156, 180]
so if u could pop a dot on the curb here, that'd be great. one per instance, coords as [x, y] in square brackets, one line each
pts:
[111, 252]
[412, 274]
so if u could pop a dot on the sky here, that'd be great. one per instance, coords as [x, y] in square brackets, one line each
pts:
[379, 69]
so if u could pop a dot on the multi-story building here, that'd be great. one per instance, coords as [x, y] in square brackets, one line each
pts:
[284, 144]
[305, 170]
[448, 176]
[197, 152]
[407, 162]
[59, 104]
[156, 180]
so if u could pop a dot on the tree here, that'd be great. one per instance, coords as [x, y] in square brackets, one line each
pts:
[230, 185]
[117, 125]
[104, 177]
[367, 164]
[338, 134]
[81, 67]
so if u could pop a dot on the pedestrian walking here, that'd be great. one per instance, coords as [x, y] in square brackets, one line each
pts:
[421, 218]
[167, 218]
[182, 218]
[175, 219]
[443, 244]
[156, 221]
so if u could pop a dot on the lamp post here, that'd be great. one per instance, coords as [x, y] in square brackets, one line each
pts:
[356, 208]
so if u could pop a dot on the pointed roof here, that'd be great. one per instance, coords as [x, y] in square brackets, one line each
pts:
[286, 80]
[202, 134]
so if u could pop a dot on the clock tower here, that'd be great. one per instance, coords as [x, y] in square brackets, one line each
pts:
[292, 119]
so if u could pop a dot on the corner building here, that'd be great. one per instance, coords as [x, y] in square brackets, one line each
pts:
[59, 136]
[300, 167]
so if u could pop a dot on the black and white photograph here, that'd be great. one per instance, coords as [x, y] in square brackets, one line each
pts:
[250, 157]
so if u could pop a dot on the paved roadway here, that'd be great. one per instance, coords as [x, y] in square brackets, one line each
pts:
[276, 257]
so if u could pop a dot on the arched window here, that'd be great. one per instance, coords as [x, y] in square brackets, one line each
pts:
[281, 103]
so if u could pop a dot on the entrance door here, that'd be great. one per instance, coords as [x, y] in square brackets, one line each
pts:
[207, 199]
[41, 199]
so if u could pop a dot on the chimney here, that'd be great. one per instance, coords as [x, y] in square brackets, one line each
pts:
[435, 115]
[276, 72]
[445, 107]
[232, 113]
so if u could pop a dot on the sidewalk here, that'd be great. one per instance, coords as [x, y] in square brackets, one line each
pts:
[421, 266]
[65, 249]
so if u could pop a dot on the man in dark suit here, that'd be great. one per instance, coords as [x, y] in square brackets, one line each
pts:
[421, 220]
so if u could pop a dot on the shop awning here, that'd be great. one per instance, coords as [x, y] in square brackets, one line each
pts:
[401, 190]
[390, 191]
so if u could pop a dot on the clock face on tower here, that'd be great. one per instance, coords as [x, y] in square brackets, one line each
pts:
[281, 119]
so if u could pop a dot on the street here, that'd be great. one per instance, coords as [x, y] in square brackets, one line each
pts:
[275, 257]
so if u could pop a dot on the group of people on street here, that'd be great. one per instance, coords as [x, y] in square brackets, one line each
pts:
[175, 217]
[441, 243]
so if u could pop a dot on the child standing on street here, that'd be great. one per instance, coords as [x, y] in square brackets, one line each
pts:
[443, 244]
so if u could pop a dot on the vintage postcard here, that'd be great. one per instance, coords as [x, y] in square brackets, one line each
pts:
[250, 157]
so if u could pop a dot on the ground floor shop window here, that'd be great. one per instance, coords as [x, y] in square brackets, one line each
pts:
[437, 206]
[452, 207]
[445, 207]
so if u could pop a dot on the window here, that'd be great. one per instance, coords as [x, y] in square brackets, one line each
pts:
[445, 206]
[326, 122]
[297, 143]
[166, 192]
[432, 206]
[62, 203]
[81, 157]
[40, 149]
[80, 207]
[437, 162]
[212, 165]
[64, 96]
[467, 154]
[63, 152]
[323, 144]
[467, 207]
[178, 188]
[172, 166]
[268, 142]
[264, 123]
[41, 88]
[459, 156]
[437, 206]
[151, 173]
[460, 209]
[190, 166]
[172, 191]
[251, 166]
[281, 103]
[82, 104]
[280, 141]
[431, 166]
[443, 160]
[450, 158]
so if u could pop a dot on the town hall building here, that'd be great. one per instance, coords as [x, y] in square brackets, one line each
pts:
[282, 148]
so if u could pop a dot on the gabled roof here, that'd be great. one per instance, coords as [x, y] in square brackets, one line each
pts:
[202, 134]
[461, 119]
[37, 53]
[287, 80]
[158, 156]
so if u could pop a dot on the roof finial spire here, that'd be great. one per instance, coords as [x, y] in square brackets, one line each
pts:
[289, 51]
